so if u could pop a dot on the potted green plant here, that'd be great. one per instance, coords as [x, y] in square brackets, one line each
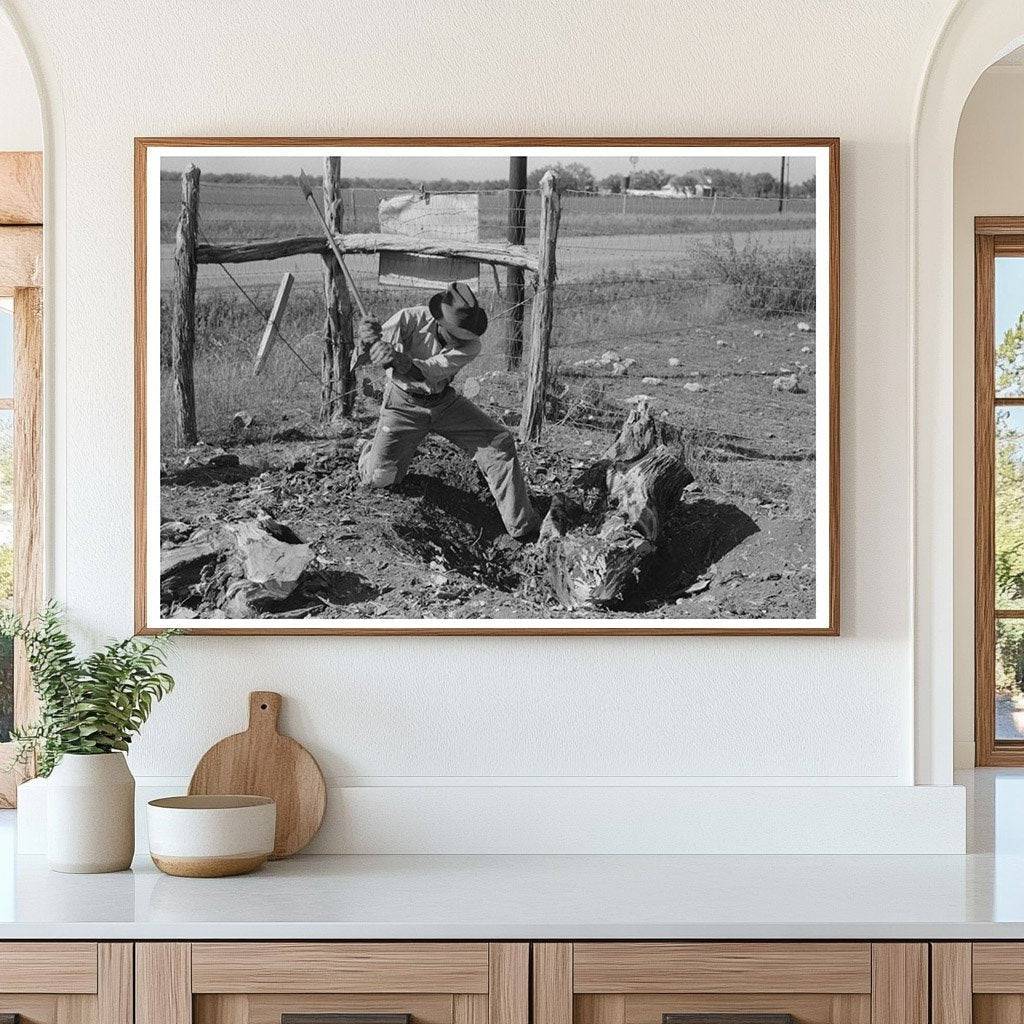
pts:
[89, 710]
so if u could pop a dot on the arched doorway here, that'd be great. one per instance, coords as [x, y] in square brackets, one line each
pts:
[975, 35]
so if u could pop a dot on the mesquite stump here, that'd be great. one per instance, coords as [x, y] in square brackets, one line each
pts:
[592, 565]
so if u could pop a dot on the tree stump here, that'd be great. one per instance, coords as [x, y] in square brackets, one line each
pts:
[590, 570]
[644, 491]
[640, 433]
[644, 480]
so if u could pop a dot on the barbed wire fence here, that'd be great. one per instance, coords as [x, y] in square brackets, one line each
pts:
[632, 268]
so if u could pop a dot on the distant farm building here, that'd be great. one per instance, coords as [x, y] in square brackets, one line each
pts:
[677, 190]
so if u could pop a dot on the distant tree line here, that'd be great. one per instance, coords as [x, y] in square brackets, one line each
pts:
[577, 177]
[383, 184]
[573, 177]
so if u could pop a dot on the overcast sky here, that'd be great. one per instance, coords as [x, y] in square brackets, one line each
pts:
[1009, 293]
[481, 168]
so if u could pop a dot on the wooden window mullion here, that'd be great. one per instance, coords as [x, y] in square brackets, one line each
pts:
[984, 501]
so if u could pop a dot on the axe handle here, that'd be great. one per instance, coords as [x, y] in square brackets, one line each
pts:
[337, 255]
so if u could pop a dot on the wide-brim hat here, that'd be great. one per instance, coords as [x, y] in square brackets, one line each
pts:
[458, 309]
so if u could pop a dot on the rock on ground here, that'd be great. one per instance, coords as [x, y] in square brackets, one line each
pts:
[790, 383]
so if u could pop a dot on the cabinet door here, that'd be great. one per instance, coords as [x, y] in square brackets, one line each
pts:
[332, 983]
[981, 982]
[730, 983]
[66, 982]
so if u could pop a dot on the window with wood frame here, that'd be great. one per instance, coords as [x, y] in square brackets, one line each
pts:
[999, 490]
[21, 349]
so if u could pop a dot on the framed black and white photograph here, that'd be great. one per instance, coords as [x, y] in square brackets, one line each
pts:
[464, 386]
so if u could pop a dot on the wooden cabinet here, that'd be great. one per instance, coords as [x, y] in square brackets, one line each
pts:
[494, 983]
[259, 982]
[66, 982]
[648, 982]
[979, 982]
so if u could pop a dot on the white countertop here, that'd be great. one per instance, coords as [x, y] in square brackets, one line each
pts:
[978, 896]
[532, 897]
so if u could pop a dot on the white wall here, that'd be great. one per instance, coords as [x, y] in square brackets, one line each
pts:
[442, 713]
[988, 181]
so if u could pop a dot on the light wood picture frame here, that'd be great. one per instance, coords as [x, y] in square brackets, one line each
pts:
[191, 244]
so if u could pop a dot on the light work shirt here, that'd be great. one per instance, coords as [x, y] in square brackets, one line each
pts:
[414, 331]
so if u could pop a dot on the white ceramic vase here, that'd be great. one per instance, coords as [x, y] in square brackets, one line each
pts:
[90, 814]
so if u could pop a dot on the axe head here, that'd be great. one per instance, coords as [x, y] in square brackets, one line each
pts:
[360, 357]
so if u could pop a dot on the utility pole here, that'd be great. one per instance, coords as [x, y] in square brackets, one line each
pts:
[627, 178]
[514, 278]
[782, 182]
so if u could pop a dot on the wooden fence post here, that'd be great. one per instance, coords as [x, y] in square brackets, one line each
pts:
[338, 384]
[543, 311]
[183, 312]
[515, 281]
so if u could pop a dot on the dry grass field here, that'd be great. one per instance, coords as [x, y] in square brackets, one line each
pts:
[238, 212]
[707, 311]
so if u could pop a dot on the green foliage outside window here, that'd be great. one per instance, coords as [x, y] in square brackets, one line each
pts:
[1009, 482]
[1009, 508]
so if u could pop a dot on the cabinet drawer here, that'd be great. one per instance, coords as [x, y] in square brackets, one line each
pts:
[270, 1009]
[730, 982]
[980, 982]
[340, 967]
[630, 967]
[998, 967]
[66, 982]
[261, 982]
[48, 967]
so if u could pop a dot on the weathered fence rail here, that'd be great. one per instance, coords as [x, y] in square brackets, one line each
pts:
[495, 253]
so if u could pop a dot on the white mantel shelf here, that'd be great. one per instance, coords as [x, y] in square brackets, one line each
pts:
[531, 897]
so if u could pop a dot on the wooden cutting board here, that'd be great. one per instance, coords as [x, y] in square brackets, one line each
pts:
[262, 762]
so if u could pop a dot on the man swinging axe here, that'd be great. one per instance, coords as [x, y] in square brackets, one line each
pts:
[423, 348]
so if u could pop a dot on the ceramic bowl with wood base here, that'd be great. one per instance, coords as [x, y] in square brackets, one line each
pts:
[211, 836]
